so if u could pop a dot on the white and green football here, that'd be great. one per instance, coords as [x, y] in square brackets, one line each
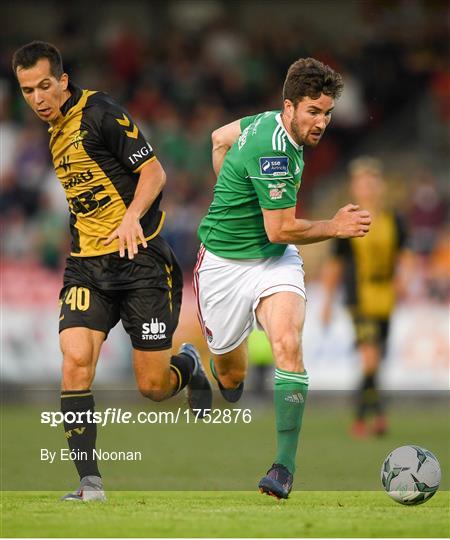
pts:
[411, 474]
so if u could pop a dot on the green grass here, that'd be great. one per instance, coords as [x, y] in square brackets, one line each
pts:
[224, 514]
[221, 457]
[337, 481]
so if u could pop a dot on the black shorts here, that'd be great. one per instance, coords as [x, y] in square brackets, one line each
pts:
[371, 330]
[144, 293]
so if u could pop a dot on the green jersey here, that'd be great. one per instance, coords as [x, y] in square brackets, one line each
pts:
[262, 169]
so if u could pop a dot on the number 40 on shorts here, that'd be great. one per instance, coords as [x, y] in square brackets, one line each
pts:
[78, 298]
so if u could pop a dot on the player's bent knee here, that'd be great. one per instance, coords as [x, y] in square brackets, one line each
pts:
[77, 369]
[153, 394]
[286, 345]
[77, 378]
[153, 390]
[77, 358]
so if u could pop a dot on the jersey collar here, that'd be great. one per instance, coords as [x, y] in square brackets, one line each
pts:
[74, 98]
[291, 140]
[75, 95]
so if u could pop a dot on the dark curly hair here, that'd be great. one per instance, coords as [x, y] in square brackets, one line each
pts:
[28, 55]
[307, 77]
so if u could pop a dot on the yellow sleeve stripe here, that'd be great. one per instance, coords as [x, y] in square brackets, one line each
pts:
[139, 169]
[158, 229]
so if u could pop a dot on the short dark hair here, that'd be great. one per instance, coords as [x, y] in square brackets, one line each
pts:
[28, 55]
[307, 77]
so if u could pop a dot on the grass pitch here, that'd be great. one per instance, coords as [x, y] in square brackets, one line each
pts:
[223, 457]
[224, 463]
[224, 514]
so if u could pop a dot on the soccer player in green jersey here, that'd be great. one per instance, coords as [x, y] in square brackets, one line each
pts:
[248, 269]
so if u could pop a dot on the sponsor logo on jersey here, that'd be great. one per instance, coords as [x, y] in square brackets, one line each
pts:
[274, 166]
[140, 154]
[65, 163]
[276, 190]
[276, 194]
[153, 330]
[243, 137]
[77, 179]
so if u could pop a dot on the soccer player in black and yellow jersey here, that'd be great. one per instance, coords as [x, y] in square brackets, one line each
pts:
[119, 267]
[366, 267]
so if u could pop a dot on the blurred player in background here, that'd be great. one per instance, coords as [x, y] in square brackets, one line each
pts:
[248, 268]
[120, 268]
[366, 267]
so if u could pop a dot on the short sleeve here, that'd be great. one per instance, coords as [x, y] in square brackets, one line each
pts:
[247, 120]
[124, 139]
[273, 180]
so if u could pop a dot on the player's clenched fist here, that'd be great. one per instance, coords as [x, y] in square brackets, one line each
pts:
[351, 222]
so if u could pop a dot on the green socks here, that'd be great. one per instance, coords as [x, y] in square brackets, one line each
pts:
[291, 390]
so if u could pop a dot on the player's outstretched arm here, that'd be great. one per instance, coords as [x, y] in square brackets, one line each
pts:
[282, 227]
[151, 181]
[223, 139]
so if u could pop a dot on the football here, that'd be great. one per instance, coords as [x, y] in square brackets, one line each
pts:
[411, 474]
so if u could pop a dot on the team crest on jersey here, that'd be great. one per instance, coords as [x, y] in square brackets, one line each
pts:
[78, 137]
[209, 334]
[274, 166]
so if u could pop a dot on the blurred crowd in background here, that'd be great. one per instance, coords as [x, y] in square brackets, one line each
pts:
[184, 68]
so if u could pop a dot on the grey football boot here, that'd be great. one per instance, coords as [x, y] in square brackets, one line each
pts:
[91, 489]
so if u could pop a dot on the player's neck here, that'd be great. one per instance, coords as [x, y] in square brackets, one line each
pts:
[65, 96]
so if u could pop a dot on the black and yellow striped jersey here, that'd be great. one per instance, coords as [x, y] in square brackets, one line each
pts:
[369, 266]
[98, 152]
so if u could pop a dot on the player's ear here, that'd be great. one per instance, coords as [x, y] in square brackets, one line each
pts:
[288, 108]
[64, 81]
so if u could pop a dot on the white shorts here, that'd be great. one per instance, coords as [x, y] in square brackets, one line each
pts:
[228, 292]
